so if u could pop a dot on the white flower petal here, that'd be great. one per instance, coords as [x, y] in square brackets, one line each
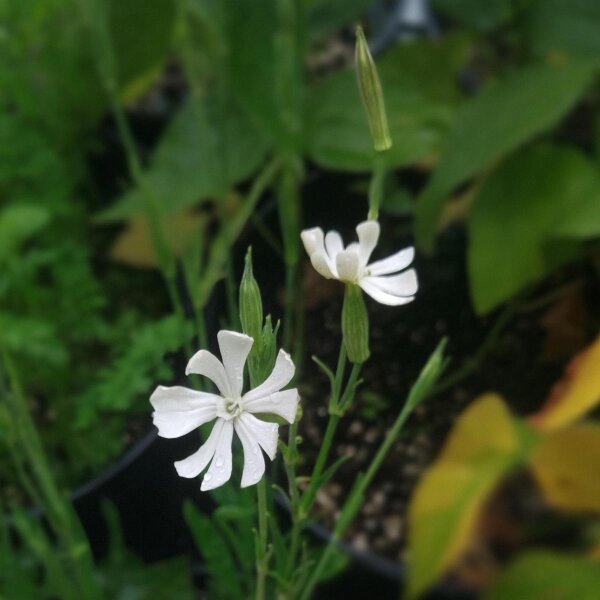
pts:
[403, 284]
[383, 297]
[394, 263]
[313, 240]
[333, 244]
[179, 410]
[323, 265]
[347, 264]
[220, 467]
[266, 434]
[282, 374]
[234, 349]
[207, 364]
[194, 464]
[284, 404]
[368, 235]
[254, 461]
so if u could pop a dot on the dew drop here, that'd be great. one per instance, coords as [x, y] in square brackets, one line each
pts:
[208, 477]
[274, 427]
[255, 450]
[219, 462]
[275, 398]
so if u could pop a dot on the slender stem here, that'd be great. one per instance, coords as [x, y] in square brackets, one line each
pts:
[60, 514]
[376, 186]
[473, 363]
[262, 556]
[354, 501]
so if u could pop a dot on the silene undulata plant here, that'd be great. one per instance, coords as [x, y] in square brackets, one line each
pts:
[289, 563]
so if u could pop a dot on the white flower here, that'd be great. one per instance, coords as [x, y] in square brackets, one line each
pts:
[179, 410]
[380, 279]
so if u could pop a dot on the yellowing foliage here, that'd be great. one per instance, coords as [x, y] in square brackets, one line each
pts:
[566, 464]
[575, 394]
[445, 507]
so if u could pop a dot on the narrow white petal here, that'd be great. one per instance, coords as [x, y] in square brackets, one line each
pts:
[266, 434]
[207, 364]
[347, 264]
[394, 263]
[323, 265]
[333, 244]
[194, 464]
[220, 467]
[234, 349]
[283, 404]
[383, 297]
[313, 240]
[254, 462]
[282, 374]
[368, 235]
[179, 410]
[404, 284]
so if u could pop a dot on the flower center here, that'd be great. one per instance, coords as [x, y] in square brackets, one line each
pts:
[232, 408]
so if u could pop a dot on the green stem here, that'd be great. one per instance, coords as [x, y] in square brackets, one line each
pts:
[376, 186]
[473, 363]
[262, 555]
[61, 516]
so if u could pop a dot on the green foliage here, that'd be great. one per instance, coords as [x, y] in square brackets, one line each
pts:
[538, 575]
[126, 577]
[202, 154]
[325, 16]
[133, 372]
[419, 84]
[216, 537]
[17, 224]
[555, 27]
[482, 16]
[534, 197]
[497, 121]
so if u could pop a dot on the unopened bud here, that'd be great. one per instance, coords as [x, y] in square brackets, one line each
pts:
[372, 94]
[251, 310]
[355, 324]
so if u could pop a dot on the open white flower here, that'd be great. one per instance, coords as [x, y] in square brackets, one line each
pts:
[179, 410]
[380, 279]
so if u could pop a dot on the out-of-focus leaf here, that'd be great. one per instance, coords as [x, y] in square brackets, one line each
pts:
[566, 465]
[516, 214]
[501, 118]
[556, 27]
[17, 224]
[134, 246]
[216, 553]
[325, 16]
[483, 446]
[140, 51]
[133, 373]
[125, 577]
[33, 339]
[575, 394]
[202, 154]
[419, 86]
[538, 575]
[479, 15]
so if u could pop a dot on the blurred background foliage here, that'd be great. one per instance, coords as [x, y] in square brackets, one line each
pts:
[494, 110]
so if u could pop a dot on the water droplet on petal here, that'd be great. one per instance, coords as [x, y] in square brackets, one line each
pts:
[274, 427]
[255, 450]
[219, 462]
[275, 398]
[208, 477]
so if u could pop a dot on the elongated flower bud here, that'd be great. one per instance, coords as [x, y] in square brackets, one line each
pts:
[355, 324]
[372, 94]
[251, 310]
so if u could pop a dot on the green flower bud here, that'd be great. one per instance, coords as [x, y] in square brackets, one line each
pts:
[251, 310]
[355, 324]
[372, 94]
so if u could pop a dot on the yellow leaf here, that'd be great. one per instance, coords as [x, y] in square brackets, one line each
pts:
[447, 502]
[134, 245]
[575, 394]
[566, 464]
